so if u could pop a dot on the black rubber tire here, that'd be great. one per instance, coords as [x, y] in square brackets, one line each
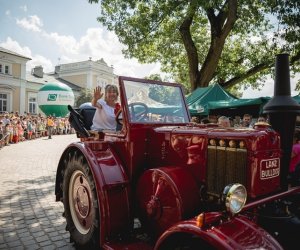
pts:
[84, 231]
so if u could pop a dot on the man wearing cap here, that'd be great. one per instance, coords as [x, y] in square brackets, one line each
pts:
[50, 124]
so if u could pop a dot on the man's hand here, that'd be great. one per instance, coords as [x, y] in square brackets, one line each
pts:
[97, 93]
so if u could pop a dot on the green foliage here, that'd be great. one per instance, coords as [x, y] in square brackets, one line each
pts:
[165, 95]
[287, 35]
[84, 96]
[152, 32]
[155, 77]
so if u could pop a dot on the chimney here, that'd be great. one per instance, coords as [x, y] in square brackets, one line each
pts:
[38, 71]
[57, 69]
[282, 110]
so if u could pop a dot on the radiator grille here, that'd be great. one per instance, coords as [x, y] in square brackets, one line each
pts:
[225, 165]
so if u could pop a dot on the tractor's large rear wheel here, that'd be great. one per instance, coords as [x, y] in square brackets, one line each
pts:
[81, 204]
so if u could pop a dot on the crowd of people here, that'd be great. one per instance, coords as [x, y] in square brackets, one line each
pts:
[247, 121]
[15, 128]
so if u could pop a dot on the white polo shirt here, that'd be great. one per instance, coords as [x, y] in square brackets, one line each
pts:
[104, 118]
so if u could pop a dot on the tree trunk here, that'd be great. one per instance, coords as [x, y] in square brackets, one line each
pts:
[221, 25]
[254, 70]
[191, 50]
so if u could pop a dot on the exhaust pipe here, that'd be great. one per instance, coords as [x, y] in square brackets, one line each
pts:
[282, 110]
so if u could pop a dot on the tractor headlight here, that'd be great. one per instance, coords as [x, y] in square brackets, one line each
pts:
[234, 196]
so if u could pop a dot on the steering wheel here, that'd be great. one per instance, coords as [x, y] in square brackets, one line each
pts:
[138, 111]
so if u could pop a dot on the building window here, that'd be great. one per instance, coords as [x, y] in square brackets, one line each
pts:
[3, 102]
[6, 69]
[0, 68]
[32, 105]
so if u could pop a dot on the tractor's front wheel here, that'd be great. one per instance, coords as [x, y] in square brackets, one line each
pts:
[81, 204]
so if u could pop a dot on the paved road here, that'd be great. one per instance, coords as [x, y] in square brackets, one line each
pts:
[29, 216]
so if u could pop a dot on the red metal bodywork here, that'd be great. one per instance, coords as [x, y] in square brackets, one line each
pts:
[188, 145]
[237, 233]
[155, 172]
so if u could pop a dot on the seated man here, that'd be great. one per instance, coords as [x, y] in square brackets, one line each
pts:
[105, 115]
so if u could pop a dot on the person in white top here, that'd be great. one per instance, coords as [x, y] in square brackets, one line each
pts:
[224, 121]
[104, 117]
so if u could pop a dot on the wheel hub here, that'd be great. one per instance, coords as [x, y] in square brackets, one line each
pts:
[82, 201]
[80, 198]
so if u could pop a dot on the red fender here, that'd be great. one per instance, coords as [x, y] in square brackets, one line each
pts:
[165, 196]
[233, 234]
[112, 185]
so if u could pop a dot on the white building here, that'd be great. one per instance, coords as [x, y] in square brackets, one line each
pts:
[19, 86]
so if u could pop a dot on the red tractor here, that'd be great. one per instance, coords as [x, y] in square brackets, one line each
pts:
[162, 182]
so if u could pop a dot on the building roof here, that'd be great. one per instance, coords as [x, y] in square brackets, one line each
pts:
[50, 78]
[13, 53]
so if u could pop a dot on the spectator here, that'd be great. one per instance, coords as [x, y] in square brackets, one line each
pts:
[6, 119]
[261, 119]
[6, 133]
[50, 125]
[246, 120]
[9, 129]
[24, 125]
[294, 168]
[15, 138]
[295, 157]
[213, 119]
[15, 128]
[20, 131]
[224, 121]
[29, 130]
[204, 121]
[195, 119]
[1, 134]
[42, 127]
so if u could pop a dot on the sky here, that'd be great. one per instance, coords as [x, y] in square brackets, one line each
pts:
[53, 32]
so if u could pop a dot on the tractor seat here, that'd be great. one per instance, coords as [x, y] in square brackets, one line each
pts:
[88, 115]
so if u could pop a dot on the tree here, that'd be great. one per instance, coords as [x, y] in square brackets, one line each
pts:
[289, 15]
[166, 95]
[84, 96]
[230, 42]
[155, 77]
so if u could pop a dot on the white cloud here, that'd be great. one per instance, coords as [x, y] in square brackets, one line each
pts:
[66, 44]
[99, 43]
[96, 43]
[7, 12]
[40, 60]
[268, 88]
[24, 8]
[15, 46]
[33, 23]
[25, 51]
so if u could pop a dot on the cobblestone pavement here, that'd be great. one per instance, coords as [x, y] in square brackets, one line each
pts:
[29, 216]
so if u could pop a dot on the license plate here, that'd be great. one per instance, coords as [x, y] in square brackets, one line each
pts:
[269, 168]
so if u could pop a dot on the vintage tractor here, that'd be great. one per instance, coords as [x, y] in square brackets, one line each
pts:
[162, 182]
